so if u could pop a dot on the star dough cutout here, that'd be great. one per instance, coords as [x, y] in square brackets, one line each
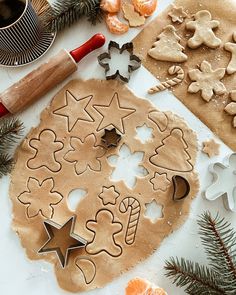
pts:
[211, 148]
[111, 138]
[231, 107]
[113, 114]
[108, 195]
[160, 182]
[62, 240]
[177, 14]
[75, 110]
[207, 81]
[224, 182]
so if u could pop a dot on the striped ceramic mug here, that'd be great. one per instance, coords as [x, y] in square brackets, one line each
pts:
[23, 34]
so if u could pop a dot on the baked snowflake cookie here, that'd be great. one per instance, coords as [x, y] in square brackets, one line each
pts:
[90, 140]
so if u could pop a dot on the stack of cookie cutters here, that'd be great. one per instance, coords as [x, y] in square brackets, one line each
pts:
[224, 182]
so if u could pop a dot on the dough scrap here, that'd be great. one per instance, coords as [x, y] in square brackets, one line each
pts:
[207, 81]
[203, 26]
[211, 148]
[133, 17]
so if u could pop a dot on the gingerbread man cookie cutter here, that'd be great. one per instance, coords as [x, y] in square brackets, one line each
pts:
[135, 61]
[224, 182]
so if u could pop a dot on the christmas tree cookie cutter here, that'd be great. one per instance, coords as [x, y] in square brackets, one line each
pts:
[134, 61]
[224, 182]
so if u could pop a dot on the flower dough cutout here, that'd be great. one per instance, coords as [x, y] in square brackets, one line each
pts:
[168, 48]
[207, 81]
[211, 148]
[203, 26]
[223, 185]
[75, 110]
[231, 47]
[109, 195]
[231, 107]
[177, 14]
[40, 198]
[46, 147]
[160, 182]
[80, 148]
[104, 228]
[119, 114]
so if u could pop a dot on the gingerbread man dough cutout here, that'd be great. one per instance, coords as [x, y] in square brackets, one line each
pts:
[231, 47]
[203, 26]
[46, 146]
[104, 228]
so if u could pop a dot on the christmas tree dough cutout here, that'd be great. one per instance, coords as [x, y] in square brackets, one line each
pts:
[168, 48]
[231, 47]
[173, 146]
[203, 26]
[111, 215]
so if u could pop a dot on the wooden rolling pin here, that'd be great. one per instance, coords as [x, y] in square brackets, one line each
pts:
[44, 78]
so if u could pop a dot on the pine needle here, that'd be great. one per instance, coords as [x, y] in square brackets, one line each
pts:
[64, 13]
[199, 279]
[6, 164]
[10, 131]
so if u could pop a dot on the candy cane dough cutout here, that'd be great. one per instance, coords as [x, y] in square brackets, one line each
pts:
[169, 83]
[135, 207]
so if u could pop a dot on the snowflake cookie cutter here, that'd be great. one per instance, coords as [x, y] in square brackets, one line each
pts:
[135, 61]
[75, 240]
[224, 182]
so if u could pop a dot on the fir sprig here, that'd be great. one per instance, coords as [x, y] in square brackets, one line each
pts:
[64, 13]
[10, 131]
[219, 240]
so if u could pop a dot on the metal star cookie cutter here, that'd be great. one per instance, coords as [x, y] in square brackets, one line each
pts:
[224, 182]
[179, 192]
[111, 138]
[78, 242]
[135, 61]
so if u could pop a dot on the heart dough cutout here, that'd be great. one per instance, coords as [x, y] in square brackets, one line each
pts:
[67, 151]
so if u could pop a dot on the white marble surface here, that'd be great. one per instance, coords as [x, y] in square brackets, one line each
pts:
[20, 276]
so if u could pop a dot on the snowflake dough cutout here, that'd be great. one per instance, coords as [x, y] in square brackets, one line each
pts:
[223, 185]
[231, 107]
[37, 203]
[160, 182]
[207, 81]
[211, 148]
[177, 14]
[203, 26]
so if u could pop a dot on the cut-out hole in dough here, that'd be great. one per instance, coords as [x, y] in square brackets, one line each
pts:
[75, 197]
[144, 133]
[127, 166]
[153, 211]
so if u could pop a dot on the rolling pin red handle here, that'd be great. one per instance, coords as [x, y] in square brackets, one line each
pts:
[12, 106]
[95, 42]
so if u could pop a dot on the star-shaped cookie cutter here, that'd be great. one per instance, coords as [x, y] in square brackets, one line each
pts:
[78, 242]
[111, 138]
[224, 182]
[135, 61]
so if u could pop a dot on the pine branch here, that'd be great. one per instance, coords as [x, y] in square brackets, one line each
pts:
[10, 132]
[219, 241]
[64, 13]
[6, 164]
[199, 280]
